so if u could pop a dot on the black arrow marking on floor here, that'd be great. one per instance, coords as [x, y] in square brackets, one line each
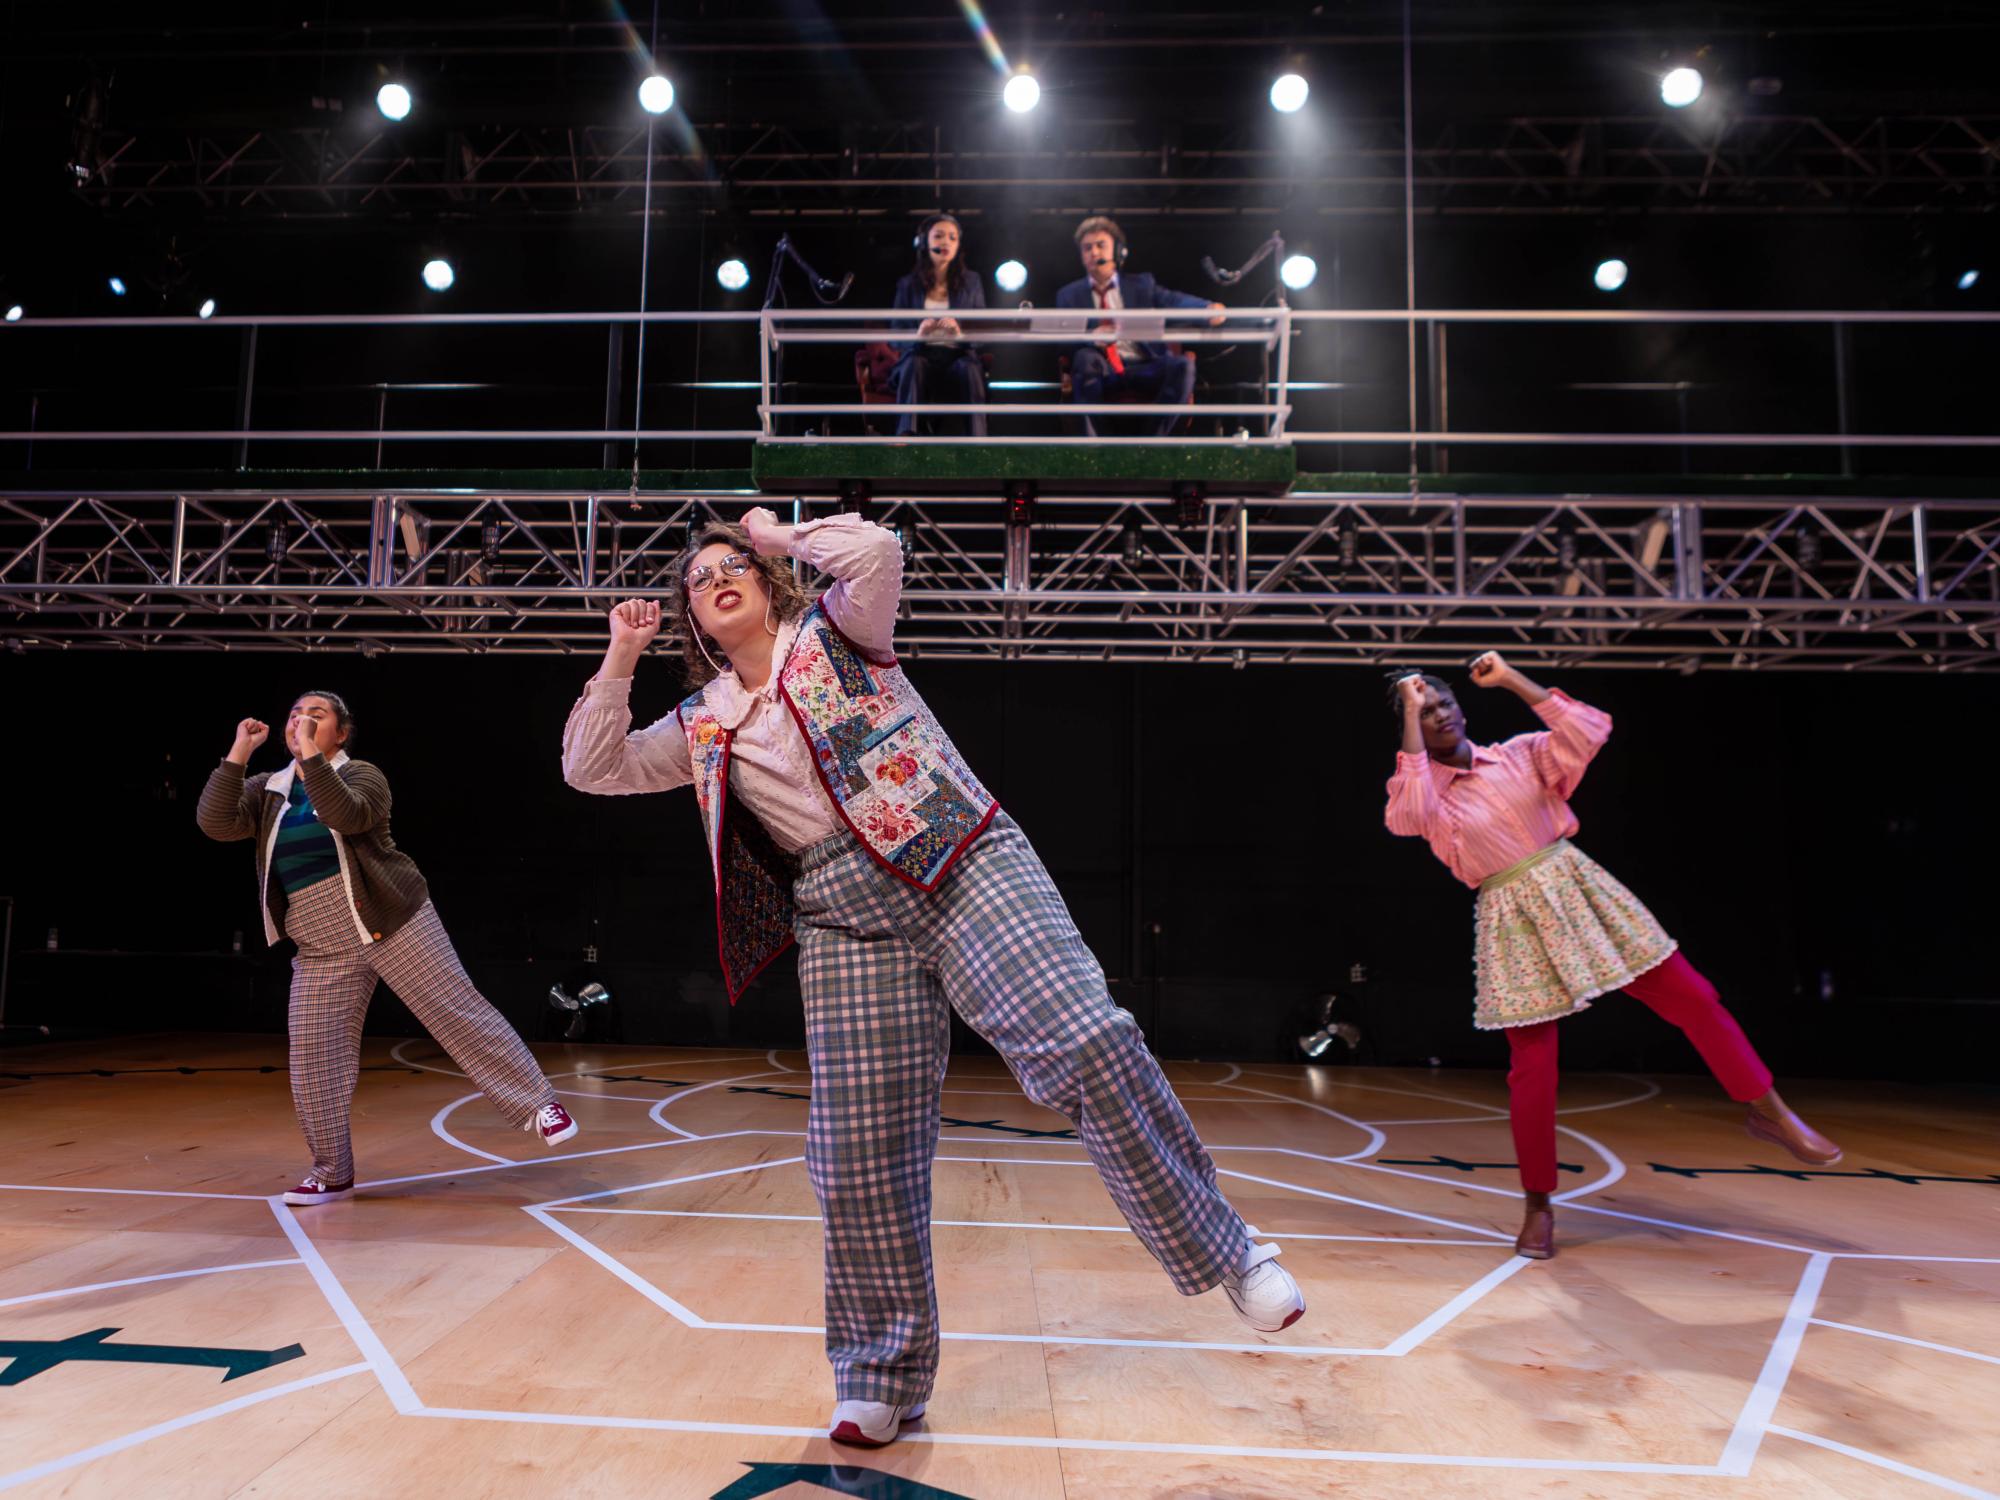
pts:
[1800, 1174]
[31, 1357]
[1468, 1166]
[996, 1125]
[842, 1479]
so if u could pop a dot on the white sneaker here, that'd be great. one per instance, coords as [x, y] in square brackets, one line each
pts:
[1265, 1295]
[869, 1424]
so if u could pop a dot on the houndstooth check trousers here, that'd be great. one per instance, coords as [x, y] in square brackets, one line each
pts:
[333, 977]
[882, 964]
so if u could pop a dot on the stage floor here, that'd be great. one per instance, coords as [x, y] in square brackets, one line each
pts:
[638, 1312]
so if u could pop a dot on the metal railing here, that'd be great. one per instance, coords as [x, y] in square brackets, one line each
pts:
[1270, 330]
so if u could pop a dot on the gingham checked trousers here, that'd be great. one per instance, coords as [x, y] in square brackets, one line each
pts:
[333, 978]
[879, 962]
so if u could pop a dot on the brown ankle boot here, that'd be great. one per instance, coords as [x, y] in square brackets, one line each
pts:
[1537, 1240]
[1771, 1119]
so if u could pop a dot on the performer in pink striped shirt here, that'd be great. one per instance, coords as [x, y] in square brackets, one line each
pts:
[1554, 930]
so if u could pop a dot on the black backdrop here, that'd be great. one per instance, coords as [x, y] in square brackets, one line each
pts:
[1820, 844]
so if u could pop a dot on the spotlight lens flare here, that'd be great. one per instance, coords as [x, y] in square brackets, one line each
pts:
[439, 275]
[1289, 94]
[1610, 275]
[1022, 93]
[1011, 275]
[393, 100]
[1298, 271]
[117, 285]
[1968, 281]
[656, 95]
[1680, 88]
[207, 308]
[733, 275]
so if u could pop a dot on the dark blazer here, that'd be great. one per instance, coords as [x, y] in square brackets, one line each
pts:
[1138, 290]
[969, 292]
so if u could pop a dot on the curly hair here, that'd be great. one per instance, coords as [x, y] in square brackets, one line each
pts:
[788, 599]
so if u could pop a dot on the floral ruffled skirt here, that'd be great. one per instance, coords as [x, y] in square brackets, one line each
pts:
[1554, 932]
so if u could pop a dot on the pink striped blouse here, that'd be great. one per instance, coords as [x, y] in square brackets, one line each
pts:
[1513, 801]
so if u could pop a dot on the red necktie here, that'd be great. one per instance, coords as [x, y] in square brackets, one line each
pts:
[1111, 355]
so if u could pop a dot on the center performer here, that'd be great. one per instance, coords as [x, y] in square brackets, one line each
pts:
[839, 813]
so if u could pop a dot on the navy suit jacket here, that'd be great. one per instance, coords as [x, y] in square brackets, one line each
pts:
[968, 293]
[1138, 291]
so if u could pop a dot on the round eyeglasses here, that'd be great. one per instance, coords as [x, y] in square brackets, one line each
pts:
[734, 565]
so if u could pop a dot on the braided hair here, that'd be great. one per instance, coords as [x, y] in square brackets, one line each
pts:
[1396, 675]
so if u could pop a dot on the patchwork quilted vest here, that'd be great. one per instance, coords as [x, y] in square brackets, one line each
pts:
[895, 778]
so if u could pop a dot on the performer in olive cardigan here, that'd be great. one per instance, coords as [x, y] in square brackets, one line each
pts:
[331, 878]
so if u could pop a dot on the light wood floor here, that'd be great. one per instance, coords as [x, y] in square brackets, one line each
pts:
[638, 1313]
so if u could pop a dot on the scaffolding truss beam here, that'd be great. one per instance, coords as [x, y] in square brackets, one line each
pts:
[1689, 582]
[1523, 164]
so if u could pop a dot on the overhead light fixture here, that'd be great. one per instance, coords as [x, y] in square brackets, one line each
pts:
[733, 275]
[1022, 93]
[1968, 279]
[656, 95]
[1012, 275]
[206, 310]
[1680, 87]
[394, 101]
[1289, 94]
[16, 313]
[1298, 271]
[439, 275]
[1611, 274]
[117, 285]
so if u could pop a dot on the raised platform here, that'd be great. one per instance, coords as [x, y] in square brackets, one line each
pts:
[1073, 468]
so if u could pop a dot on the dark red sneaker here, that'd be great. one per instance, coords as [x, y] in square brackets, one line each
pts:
[554, 1123]
[311, 1191]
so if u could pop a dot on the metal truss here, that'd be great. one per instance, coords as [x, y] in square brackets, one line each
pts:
[1685, 582]
[1741, 163]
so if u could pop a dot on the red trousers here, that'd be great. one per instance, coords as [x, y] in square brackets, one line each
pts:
[1673, 989]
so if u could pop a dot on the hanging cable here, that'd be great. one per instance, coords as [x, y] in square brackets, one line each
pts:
[645, 267]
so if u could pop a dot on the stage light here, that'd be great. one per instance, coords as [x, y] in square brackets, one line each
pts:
[1288, 94]
[1012, 275]
[1022, 93]
[394, 101]
[207, 308]
[117, 284]
[16, 313]
[1968, 280]
[656, 95]
[1298, 271]
[1610, 274]
[1680, 88]
[438, 274]
[733, 275]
